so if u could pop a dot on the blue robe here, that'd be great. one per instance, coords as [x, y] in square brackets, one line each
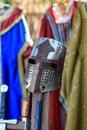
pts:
[11, 43]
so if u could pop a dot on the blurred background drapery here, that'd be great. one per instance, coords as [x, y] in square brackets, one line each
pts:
[34, 10]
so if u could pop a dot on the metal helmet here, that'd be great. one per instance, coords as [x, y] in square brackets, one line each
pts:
[45, 65]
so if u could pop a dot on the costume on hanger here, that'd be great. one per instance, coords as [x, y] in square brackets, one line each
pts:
[74, 78]
[13, 34]
[50, 28]
[46, 29]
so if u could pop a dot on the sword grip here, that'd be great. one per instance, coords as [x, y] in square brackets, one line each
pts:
[3, 102]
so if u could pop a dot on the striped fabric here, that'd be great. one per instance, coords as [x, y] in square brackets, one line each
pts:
[62, 32]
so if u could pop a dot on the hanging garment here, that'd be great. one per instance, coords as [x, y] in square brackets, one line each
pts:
[13, 35]
[50, 27]
[74, 79]
[61, 32]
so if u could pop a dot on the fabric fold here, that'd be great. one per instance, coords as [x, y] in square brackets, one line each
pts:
[74, 78]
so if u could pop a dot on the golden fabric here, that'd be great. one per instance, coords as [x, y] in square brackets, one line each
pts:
[74, 78]
[21, 68]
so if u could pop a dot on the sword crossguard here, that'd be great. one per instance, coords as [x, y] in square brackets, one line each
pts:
[13, 121]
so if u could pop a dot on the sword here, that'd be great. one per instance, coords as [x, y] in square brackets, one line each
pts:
[3, 122]
[4, 89]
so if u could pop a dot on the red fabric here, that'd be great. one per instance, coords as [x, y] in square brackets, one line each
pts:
[74, 6]
[14, 15]
[28, 51]
[55, 106]
[45, 30]
[55, 111]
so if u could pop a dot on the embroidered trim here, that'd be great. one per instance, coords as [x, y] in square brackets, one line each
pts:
[9, 27]
[9, 19]
[21, 68]
[7, 14]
